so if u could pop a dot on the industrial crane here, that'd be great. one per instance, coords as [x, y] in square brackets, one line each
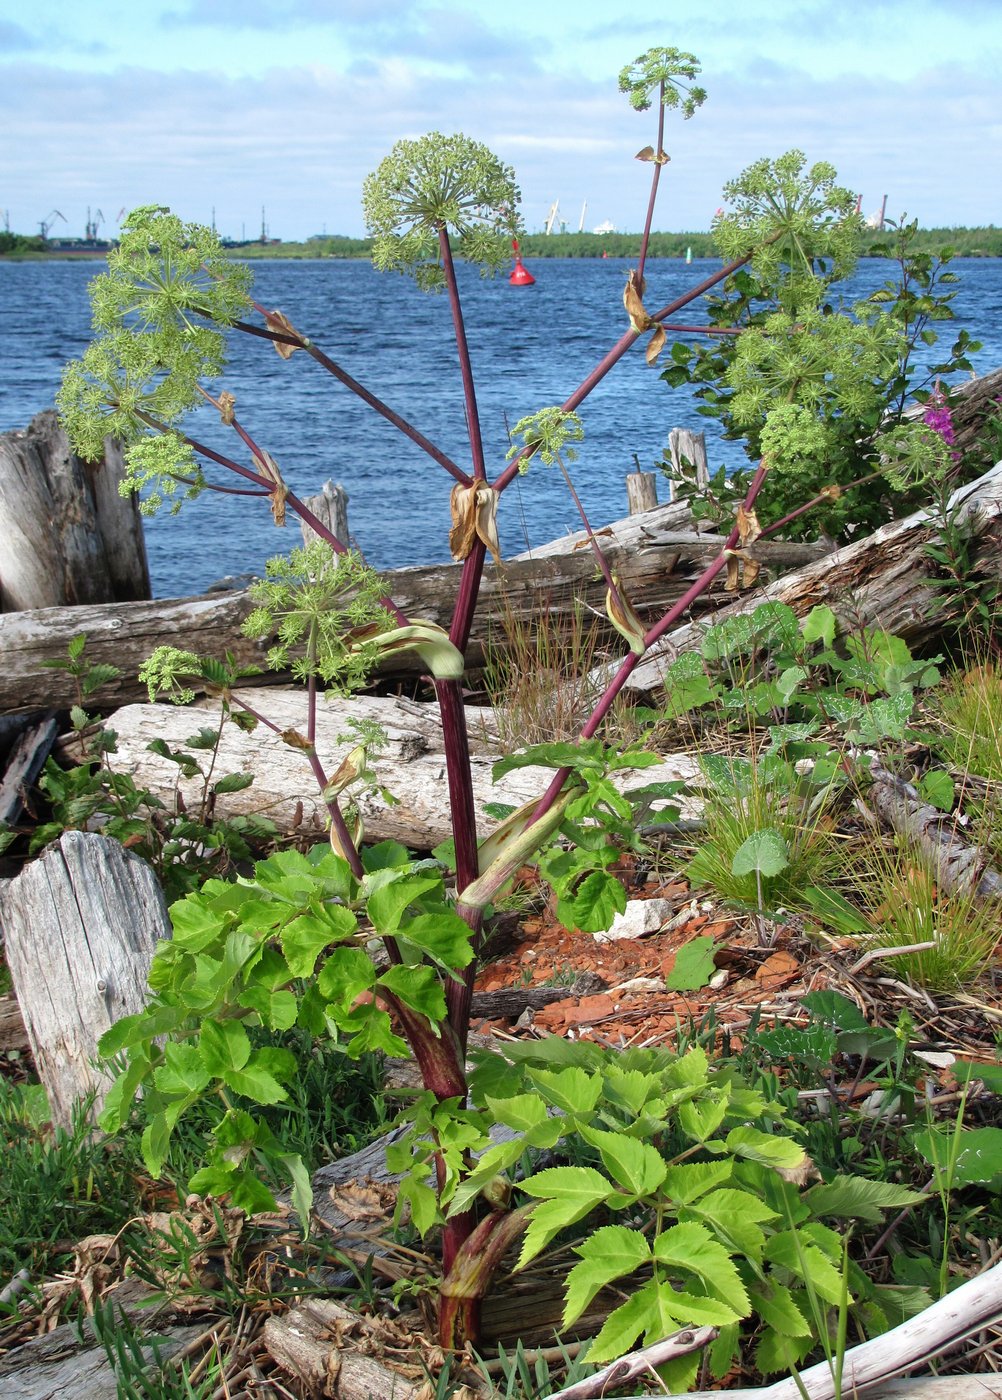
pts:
[48, 221]
[92, 225]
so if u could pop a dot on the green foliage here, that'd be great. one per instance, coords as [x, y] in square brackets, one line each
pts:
[278, 949]
[186, 843]
[549, 433]
[716, 1226]
[817, 387]
[598, 824]
[153, 348]
[59, 1184]
[440, 185]
[313, 601]
[662, 74]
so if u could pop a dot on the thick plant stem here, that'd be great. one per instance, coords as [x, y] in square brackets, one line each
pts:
[470, 1273]
[655, 181]
[463, 349]
[301, 342]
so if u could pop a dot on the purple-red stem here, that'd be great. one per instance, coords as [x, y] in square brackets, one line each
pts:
[617, 352]
[655, 180]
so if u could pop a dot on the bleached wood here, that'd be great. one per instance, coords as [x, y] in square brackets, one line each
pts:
[689, 448]
[79, 926]
[411, 767]
[330, 507]
[66, 535]
[883, 580]
[641, 492]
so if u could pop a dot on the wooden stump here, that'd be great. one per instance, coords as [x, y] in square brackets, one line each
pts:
[66, 535]
[641, 492]
[688, 455]
[331, 509]
[79, 927]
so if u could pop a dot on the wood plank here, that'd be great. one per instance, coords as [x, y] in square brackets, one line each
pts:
[79, 927]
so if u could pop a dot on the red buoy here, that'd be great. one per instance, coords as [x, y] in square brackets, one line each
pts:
[520, 276]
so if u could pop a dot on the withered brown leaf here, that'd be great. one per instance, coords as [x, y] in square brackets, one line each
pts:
[278, 322]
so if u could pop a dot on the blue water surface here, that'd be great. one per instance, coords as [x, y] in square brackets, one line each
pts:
[531, 347]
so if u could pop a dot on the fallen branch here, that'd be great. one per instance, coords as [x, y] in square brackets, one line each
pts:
[638, 1363]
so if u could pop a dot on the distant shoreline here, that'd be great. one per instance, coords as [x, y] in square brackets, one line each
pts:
[965, 243]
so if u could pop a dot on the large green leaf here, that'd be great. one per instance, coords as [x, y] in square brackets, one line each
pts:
[639, 1314]
[856, 1198]
[975, 1160]
[777, 1307]
[693, 966]
[690, 1246]
[594, 904]
[687, 1181]
[572, 1090]
[568, 1194]
[635, 1166]
[611, 1252]
[183, 1070]
[416, 987]
[794, 1251]
[762, 1147]
[224, 1046]
[764, 852]
[305, 938]
[443, 935]
[387, 905]
[346, 973]
[735, 1217]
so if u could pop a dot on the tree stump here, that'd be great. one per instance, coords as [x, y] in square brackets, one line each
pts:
[641, 492]
[79, 927]
[66, 535]
[688, 455]
[331, 509]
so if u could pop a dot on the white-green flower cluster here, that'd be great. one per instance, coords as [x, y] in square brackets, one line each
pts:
[155, 313]
[550, 432]
[791, 219]
[438, 183]
[668, 72]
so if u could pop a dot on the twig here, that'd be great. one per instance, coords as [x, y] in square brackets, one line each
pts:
[895, 952]
[638, 1363]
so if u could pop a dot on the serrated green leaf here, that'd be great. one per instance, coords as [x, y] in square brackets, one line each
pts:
[735, 1217]
[611, 1252]
[572, 1090]
[387, 905]
[255, 1082]
[568, 1194]
[594, 904]
[937, 788]
[442, 935]
[233, 782]
[776, 1306]
[183, 1070]
[793, 1250]
[834, 1009]
[639, 1314]
[305, 938]
[856, 1198]
[690, 1246]
[523, 1112]
[634, 1166]
[346, 973]
[416, 987]
[224, 1046]
[687, 1181]
[771, 1151]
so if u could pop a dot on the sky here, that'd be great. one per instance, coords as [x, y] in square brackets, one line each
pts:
[223, 108]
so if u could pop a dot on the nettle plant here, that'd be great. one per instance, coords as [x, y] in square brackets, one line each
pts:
[367, 944]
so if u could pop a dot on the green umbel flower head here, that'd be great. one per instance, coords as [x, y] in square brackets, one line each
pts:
[791, 218]
[663, 71]
[440, 183]
[153, 310]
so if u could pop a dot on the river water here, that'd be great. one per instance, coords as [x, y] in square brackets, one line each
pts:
[530, 347]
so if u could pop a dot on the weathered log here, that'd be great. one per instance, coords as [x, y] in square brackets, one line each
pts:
[23, 766]
[331, 509]
[411, 766]
[959, 867]
[655, 567]
[79, 926]
[641, 492]
[885, 580]
[66, 535]
[59, 1364]
[13, 1035]
[314, 1342]
[688, 455]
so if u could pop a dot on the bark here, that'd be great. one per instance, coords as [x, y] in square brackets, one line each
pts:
[67, 536]
[24, 764]
[79, 927]
[960, 868]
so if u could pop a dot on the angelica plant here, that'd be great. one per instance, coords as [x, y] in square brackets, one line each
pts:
[292, 941]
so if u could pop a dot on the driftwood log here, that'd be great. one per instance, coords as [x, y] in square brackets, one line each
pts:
[411, 767]
[66, 535]
[885, 580]
[79, 926]
[656, 562]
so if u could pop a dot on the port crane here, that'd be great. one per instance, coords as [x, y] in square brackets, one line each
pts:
[92, 225]
[48, 222]
[551, 217]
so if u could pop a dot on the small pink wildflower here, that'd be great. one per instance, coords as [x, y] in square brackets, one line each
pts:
[938, 417]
